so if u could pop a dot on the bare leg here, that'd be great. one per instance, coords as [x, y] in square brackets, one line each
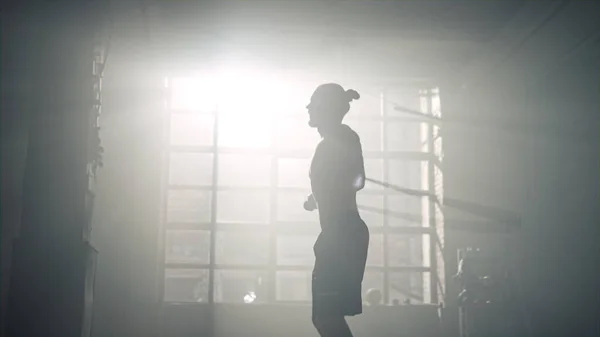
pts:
[318, 325]
[334, 326]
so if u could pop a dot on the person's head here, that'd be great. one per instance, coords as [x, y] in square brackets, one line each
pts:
[329, 104]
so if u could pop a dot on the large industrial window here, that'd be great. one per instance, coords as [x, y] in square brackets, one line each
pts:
[236, 176]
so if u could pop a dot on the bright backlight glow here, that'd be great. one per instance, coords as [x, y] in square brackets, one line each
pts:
[231, 91]
[249, 104]
[250, 297]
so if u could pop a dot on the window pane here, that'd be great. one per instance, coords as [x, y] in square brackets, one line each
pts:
[438, 149]
[375, 257]
[194, 169]
[246, 99]
[242, 248]
[290, 207]
[407, 250]
[407, 98]
[245, 131]
[243, 206]
[293, 172]
[404, 210]
[188, 206]
[240, 286]
[295, 250]
[186, 285]
[405, 173]
[244, 170]
[436, 107]
[196, 94]
[297, 96]
[294, 133]
[372, 280]
[408, 286]
[373, 170]
[191, 129]
[294, 286]
[371, 209]
[405, 136]
[367, 105]
[188, 247]
[370, 133]
[252, 93]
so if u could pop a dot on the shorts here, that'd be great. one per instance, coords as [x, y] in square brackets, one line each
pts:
[340, 259]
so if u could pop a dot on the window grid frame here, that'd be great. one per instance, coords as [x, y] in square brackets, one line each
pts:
[213, 211]
[386, 163]
[273, 225]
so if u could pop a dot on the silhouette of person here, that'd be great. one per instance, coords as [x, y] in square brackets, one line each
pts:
[336, 175]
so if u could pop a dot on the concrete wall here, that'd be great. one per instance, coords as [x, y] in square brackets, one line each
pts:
[530, 143]
[15, 110]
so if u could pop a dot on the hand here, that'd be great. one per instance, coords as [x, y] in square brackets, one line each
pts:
[310, 204]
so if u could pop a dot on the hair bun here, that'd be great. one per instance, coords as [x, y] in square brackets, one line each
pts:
[352, 95]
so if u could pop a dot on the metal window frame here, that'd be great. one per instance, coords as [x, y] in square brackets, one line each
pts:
[276, 228]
